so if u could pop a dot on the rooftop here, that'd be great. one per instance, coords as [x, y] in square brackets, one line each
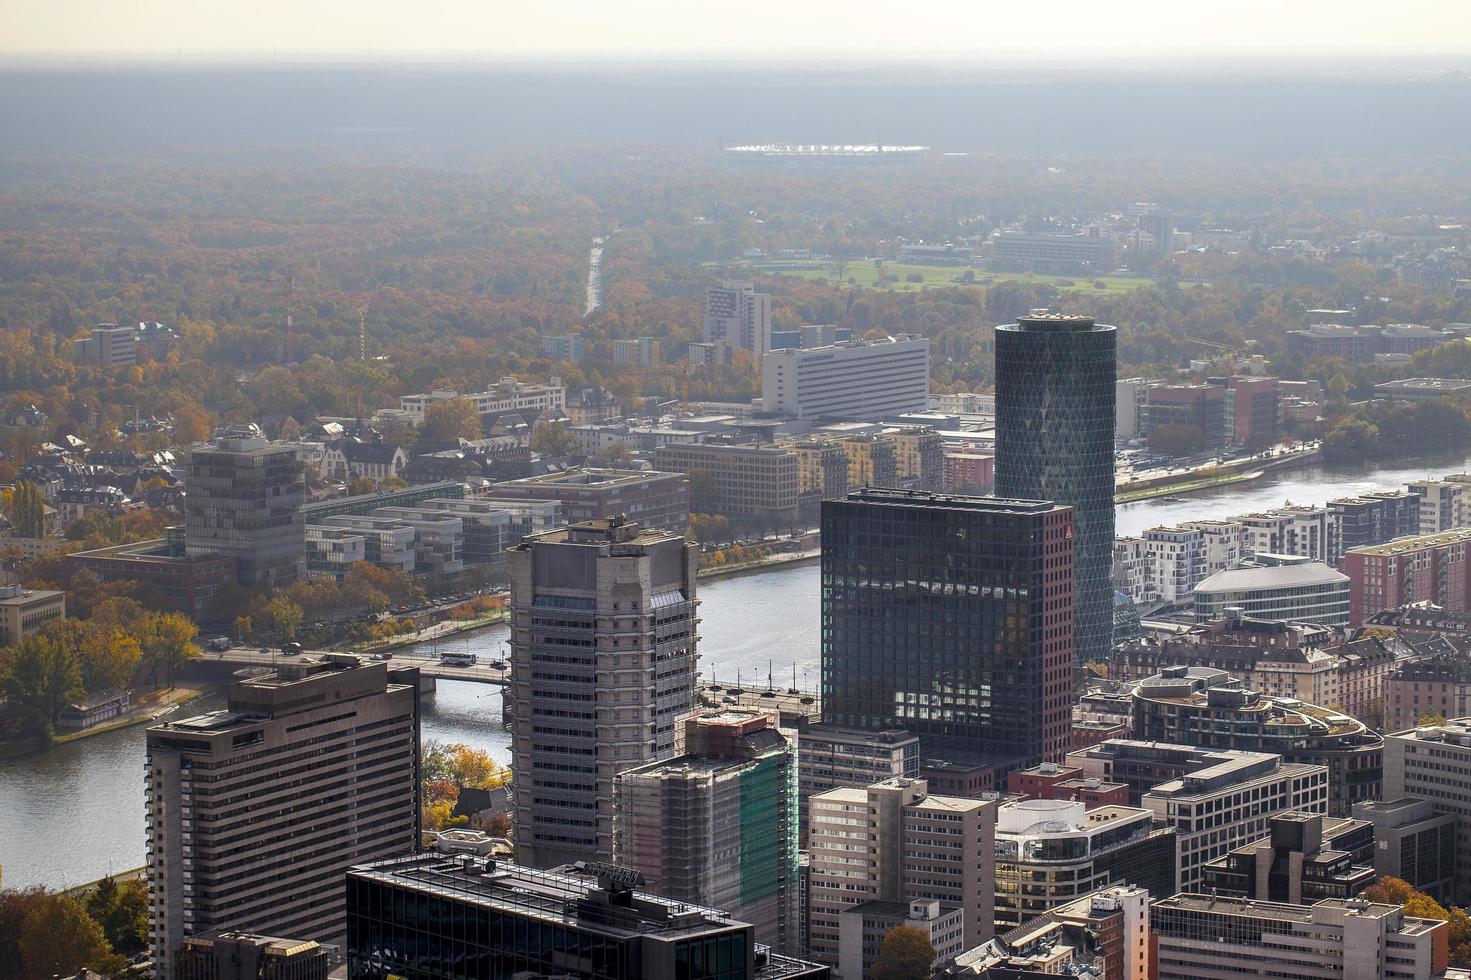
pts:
[929, 499]
[1257, 577]
[1405, 545]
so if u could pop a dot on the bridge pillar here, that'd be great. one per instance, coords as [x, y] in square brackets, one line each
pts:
[427, 684]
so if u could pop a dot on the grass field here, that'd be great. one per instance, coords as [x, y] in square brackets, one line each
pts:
[864, 273]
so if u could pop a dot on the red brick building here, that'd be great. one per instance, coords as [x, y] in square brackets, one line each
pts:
[1429, 568]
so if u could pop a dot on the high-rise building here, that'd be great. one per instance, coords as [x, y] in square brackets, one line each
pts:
[737, 316]
[602, 665]
[950, 617]
[894, 842]
[1200, 937]
[853, 380]
[493, 919]
[1055, 412]
[1415, 842]
[256, 811]
[1442, 504]
[564, 347]
[832, 757]
[640, 353]
[717, 826]
[243, 497]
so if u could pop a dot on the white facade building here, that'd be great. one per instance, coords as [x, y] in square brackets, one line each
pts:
[853, 380]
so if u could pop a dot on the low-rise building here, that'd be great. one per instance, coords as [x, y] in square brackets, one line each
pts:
[1305, 858]
[862, 928]
[650, 499]
[1283, 587]
[186, 583]
[755, 484]
[23, 612]
[230, 955]
[508, 395]
[1105, 934]
[1199, 937]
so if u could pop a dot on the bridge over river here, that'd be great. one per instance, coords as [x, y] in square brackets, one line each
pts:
[431, 668]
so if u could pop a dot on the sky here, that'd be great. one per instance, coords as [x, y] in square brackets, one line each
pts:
[1118, 31]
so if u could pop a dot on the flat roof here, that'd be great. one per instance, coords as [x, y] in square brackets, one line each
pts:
[1400, 546]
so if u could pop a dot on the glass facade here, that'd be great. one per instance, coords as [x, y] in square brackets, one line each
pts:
[1055, 397]
[950, 617]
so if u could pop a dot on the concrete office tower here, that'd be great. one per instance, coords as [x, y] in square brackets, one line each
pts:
[853, 380]
[1433, 763]
[243, 497]
[894, 842]
[256, 811]
[737, 316]
[950, 617]
[1055, 409]
[602, 665]
[717, 826]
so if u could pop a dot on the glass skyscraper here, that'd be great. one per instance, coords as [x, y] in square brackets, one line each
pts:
[952, 617]
[1055, 392]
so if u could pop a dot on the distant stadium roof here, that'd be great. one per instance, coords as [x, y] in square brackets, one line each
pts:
[858, 150]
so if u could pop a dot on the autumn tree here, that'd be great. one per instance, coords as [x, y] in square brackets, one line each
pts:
[121, 909]
[28, 510]
[40, 677]
[168, 643]
[360, 486]
[906, 954]
[58, 938]
[554, 439]
[285, 617]
[109, 656]
[449, 419]
[1176, 440]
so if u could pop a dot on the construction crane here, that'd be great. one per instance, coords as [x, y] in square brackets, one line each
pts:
[289, 278]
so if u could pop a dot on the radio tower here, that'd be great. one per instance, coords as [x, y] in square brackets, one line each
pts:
[289, 278]
[363, 332]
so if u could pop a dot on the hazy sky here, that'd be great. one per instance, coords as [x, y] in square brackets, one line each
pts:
[1120, 30]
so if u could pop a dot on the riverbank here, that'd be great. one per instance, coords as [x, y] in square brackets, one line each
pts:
[786, 559]
[151, 706]
[1214, 477]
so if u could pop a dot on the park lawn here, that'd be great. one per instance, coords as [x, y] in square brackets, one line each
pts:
[865, 274]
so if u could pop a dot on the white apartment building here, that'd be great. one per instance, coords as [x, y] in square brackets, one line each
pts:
[508, 395]
[852, 380]
[1301, 531]
[1167, 563]
[894, 842]
[1443, 504]
[737, 316]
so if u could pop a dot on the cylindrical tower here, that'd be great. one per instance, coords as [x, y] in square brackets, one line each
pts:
[1055, 377]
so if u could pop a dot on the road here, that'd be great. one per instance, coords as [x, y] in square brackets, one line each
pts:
[594, 277]
[482, 673]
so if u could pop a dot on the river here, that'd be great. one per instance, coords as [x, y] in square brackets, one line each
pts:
[75, 812]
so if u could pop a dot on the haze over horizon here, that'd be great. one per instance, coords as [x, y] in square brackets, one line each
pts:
[644, 31]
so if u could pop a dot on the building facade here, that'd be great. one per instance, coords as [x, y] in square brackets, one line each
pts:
[23, 612]
[243, 500]
[1433, 763]
[603, 663]
[854, 380]
[749, 483]
[1426, 568]
[1055, 441]
[1286, 587]
[737, 316]
[651, 499]
[950, 617]
[256, 811]
[1415, 842]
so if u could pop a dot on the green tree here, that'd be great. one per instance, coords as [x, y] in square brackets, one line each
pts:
[449, 419]
[59, 938]
[1176, 440]
[553, 439]
[110, 655]
[168, 642]
[285, 617]
[40, 677]
[121, 909]
[704, 491]
[28, 510]
[906, 954]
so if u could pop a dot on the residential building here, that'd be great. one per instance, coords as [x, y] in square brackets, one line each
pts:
[1415, 842]
[331, 552]
[1305, 858]
[1108, 929]
[1198, 937]
[832, 756]
[1429, 686]
[592, 405]
[1130, 398]
[822, 468]
[1052, 852]
[968, 472]
[1362, 344]
[1055, 441]
[224, 954]
[650, 499]
[1285, 587]
[255, 811]
[243, 501]
[406, 913]
[717, 825]
[919, 457]
[565, 347]
[862, 928]
[1442, 504]
[867, 380]
[1371, 518]
[894, 842]
[1428, 568]
[871, 461]
[1209, 708]
[602, 665]
[376, 461]
[23, 612]
[1304, 532]
[737, 316]
[640, 353]
[756, 484]
[508, 395]
[1433, 763]
[950, 617]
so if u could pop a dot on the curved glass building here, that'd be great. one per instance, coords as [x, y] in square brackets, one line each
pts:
[1055, 394]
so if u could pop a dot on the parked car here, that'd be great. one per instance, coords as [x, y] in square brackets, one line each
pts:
[291, 649]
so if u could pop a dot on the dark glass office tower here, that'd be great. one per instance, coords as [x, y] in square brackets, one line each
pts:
[952, 617]
[1055, 379]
